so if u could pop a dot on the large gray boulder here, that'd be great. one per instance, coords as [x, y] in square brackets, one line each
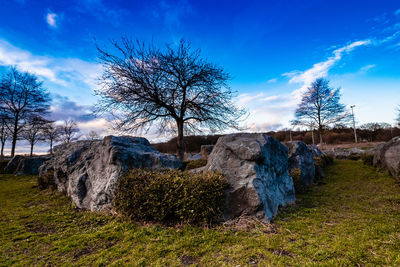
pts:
[387, 156]
[21, 165]
[301, 158]
[256, 168]
[89, 170]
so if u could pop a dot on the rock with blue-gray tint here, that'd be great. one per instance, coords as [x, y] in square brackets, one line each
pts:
[89, 170]
[21, 165]
[256, 168]
[301, 158]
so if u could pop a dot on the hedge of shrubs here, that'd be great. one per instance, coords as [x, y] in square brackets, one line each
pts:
[170, 196]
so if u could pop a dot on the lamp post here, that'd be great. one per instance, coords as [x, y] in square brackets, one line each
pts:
[354, 122]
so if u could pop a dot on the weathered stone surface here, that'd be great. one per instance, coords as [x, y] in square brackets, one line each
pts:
[301, 157]
[387, 156]
[256, 167]
[206, 150]
[20, 165]
[316, 152]
[88, 170]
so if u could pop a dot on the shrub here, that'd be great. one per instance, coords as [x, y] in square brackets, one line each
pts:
[3, 164]
[194, 164]
[354, 157]
[46, 180]
[367, 159]
[170, 196]
[295, 173]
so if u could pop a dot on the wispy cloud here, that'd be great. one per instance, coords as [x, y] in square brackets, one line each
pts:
[397, 12]
[367, 68]
[171, 12]
[322, 68]
[51, 19]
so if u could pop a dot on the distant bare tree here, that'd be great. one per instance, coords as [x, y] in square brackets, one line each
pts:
[22, 96]
[398, 116]
[68, 131]
[4, 131]
[51, 132]
[144, 86]
[320, 105]
[32, 132]
[93, 135]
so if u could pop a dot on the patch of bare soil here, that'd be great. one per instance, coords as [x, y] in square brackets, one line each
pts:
[248, 223]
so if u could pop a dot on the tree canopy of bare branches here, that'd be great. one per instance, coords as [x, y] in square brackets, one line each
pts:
[4, 131]
[320, 107]
[32, 131]
[93, 135]
[22, 97]
[52, 133]
[69, 131]
[144, 86]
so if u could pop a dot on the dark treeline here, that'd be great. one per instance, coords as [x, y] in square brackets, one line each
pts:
[370, 132]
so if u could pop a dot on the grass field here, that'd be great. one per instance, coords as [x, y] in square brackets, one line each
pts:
[351, 218]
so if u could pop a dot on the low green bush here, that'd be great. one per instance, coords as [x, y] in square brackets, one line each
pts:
[295, 174]
[3, 164]
[170, 196]
[354, 157]
[46, 180]
[367, 159]
[194, 164]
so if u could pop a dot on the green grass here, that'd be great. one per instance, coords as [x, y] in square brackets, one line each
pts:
[351, 218]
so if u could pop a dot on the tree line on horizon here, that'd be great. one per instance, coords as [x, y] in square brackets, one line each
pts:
[24, 113]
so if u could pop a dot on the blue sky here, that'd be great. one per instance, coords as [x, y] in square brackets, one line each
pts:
[273, 49]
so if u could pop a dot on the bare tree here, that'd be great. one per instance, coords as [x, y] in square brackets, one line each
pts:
[22, 96]
[32, 132]
[68, 131]
[4, 132]
[93, 135]
[51, 132]
[145, 86]
[398, 116]
[320, 105]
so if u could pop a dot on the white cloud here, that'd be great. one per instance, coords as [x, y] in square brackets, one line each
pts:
[274, 80]
[51, 19]
[63, 71]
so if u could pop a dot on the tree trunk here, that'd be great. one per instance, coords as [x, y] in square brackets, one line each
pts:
[180, 145]
[31, 150]
[2, 150]
[51, 146]
[320, 135]
[14, 136]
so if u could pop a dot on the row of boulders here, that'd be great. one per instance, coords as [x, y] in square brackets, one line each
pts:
[387, 156]
[256, 166]
[20, 165]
